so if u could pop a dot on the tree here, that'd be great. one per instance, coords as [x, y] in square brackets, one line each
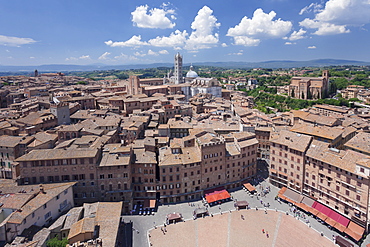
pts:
[54, 242]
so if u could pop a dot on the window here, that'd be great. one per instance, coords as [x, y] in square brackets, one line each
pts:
[48, 215]
[358, 197]
[101, 176]
[347, 192]
[45, 206]
[110, 175]
[362, 169]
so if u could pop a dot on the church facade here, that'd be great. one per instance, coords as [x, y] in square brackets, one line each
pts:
[192, 84]
[309, 87]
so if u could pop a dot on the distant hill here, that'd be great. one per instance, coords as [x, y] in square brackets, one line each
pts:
[242, 65]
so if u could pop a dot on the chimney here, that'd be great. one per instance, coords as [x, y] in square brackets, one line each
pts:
[42, 189]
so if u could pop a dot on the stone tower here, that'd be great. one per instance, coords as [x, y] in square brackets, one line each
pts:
[133, 85]
[61, 111]
[178, 69]
[325, 75]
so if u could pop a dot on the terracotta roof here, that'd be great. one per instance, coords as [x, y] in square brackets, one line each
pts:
[144, 157]
[319, 131]
[10, 141]
[52, 190]
[293, 140]
[108, 217]
[344, 159]
[52, 154]
[360, 142]
[82, 226]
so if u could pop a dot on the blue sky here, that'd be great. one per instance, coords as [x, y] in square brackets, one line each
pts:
[135, 32]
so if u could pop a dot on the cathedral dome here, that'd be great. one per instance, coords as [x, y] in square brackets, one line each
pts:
[191, 73]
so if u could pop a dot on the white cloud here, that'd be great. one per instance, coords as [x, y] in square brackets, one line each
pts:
[15, 41]
[202, 36]
[125, 57]
[323, 28]
[138, 54]
[83, 57]
[338, 15]
[239, 53]
[246, 41]
[176, 39]
[163, 52]
[133, 41]
[32, 57]
[290, 43]
[313, 7]
[249, 32]
[296, 35]
[224, 45]
[104, 56]
[312, 47]
[153, 18]
[152, 53]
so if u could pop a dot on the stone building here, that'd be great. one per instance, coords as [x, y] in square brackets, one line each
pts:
[310, 87]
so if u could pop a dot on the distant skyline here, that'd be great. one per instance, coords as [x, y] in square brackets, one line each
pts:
[143, 32]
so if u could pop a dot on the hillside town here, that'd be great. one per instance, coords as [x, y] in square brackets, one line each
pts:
[78, 155]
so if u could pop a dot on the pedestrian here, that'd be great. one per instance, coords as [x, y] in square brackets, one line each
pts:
[267, 234]
[263, 230]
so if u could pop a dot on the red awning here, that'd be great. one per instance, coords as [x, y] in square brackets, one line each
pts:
[249, 187]
[217, 196]
[331, 213]
[339, 218]
[323, 209]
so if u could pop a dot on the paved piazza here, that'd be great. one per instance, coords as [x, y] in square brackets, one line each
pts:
[229, 229]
